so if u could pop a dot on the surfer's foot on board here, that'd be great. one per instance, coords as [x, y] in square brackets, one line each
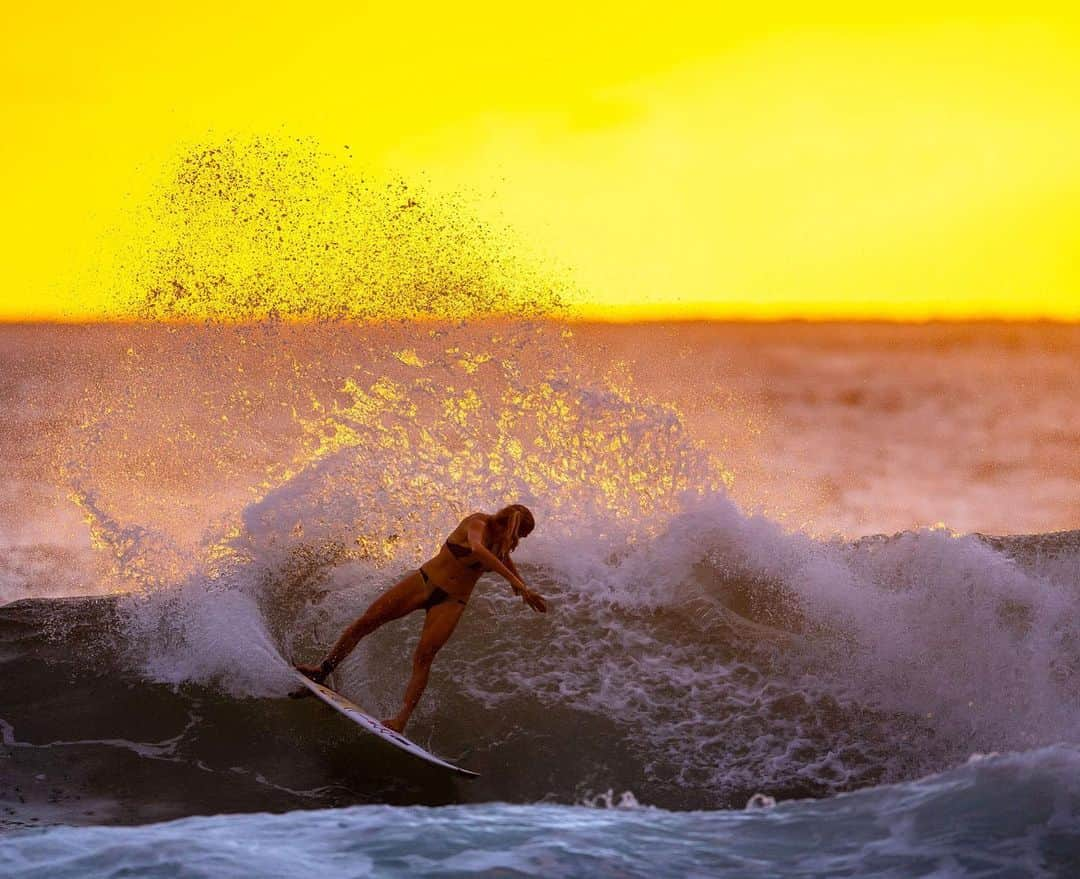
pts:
[395, 724]
[314, 672]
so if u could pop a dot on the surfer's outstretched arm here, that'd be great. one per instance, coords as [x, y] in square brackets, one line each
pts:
[533, 599]
[507, 570]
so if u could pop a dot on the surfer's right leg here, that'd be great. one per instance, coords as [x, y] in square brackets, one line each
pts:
[403, 598]
[439, 625]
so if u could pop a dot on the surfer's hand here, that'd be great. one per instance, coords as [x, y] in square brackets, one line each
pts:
[315, 672]
[534, 600]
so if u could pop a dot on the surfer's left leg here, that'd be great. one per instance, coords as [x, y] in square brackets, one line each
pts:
[439, 625]
[408, 595]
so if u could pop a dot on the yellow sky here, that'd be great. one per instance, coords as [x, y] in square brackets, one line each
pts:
[675, 159]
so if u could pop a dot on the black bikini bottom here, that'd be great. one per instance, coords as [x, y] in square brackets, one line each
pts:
[438, 594]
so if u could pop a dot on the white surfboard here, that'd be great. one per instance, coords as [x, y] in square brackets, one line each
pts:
[342, 705]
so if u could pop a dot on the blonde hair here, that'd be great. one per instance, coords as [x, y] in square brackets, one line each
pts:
[516, 522]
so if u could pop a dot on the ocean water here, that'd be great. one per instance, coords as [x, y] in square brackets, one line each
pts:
[810, 569]
[1010, 815]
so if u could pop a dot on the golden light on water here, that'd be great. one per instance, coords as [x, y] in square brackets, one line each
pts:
[203, 437]
[798, 161]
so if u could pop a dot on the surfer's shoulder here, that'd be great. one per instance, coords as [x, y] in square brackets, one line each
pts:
[460, 534]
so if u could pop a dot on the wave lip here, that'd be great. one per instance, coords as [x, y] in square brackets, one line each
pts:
[1013, 815]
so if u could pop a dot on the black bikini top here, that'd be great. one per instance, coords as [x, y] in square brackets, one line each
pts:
[459, 552]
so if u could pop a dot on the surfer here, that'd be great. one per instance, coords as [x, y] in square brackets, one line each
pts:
[440, 587]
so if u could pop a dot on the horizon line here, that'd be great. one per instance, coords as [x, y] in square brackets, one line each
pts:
[589, 319]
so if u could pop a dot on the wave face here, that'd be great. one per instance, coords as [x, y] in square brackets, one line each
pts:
[1015, 815]
[775, 664]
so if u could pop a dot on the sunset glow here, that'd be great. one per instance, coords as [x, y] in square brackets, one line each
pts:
[770, 163]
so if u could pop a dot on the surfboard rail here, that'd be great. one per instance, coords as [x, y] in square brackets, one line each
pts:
[353, 712]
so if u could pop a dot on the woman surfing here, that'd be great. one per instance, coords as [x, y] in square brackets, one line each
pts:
[440, 587]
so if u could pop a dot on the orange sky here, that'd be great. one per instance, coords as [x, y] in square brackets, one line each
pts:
[779, 162]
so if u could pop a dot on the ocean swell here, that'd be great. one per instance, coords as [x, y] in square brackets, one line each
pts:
[999, 816]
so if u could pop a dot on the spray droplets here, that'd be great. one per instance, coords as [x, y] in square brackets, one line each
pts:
[247, 230]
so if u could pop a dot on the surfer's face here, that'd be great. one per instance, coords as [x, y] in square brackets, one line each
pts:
[513, 523]
[514, 540]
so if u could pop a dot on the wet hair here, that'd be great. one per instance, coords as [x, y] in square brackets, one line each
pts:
[516, 521]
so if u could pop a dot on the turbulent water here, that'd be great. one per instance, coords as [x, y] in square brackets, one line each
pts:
[187, 508]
